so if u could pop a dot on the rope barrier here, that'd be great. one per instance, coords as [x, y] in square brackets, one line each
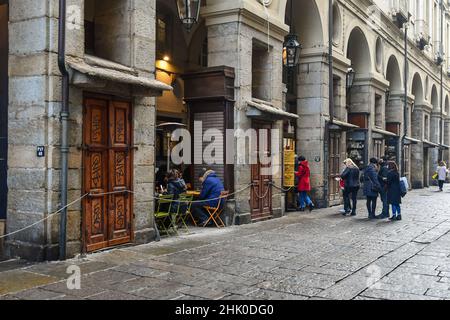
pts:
[45, 219]
[261, 197]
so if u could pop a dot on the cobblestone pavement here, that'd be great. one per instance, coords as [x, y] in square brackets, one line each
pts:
[322, 255]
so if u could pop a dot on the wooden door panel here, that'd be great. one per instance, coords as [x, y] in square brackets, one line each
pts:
[261, 197]
[120, 220]
[95, 177]
[334, 166]
[120, 173]
[107, 219]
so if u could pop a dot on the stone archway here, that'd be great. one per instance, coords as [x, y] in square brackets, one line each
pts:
[358, 52]
[417, 129]
[394, 106]
[307, 22]
[416, 115]
[435, 121]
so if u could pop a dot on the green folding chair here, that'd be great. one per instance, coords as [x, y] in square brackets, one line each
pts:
[184, 210]
[163, 215]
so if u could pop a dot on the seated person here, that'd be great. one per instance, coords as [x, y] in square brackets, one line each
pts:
[212, 188]
[161, 179]
[175, 186]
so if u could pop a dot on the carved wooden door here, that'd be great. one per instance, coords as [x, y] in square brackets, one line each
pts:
[107, 157]
[334, 167]
[261, 191]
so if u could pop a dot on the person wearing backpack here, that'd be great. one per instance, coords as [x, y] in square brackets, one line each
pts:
[394, 191]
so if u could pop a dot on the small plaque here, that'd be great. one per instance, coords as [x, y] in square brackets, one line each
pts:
[41, 152]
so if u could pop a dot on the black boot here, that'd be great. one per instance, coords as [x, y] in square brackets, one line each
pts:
[311, 207]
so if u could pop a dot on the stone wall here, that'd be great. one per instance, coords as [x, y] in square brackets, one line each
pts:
[33, 105]
[34, 110]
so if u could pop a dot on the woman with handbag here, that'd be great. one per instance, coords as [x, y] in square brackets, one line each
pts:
[371, 187]
[394, 191]
[441, 175]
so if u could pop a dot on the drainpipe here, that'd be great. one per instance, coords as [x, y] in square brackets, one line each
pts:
[64, 126]
[330, 60]
[327, 188]
[441, 49]
[405, 112]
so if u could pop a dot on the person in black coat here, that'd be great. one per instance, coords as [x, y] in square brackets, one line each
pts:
[394, 191]
[382, 179]
[371, 187]
[351, 186]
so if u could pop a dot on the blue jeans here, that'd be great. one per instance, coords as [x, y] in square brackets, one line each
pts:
[303, 199]
[199, 212]
[396, 210]
[383, 194]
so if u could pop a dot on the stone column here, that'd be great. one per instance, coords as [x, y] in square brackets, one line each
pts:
[417, 161]
[447, 139]
[143, 49]
[435, 134]
[312, 105]
[33, 105]
[230, 43]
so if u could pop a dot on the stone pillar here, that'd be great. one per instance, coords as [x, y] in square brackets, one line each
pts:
[143, 50]
[312, 105]
[230, 43]
[417, 161]
[447, 140]
[435, 134]
[34, 79]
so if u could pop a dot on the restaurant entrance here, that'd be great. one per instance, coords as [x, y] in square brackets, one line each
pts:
[261, 195]
[108, 165]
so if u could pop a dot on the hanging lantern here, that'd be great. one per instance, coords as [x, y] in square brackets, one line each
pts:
[188, 12]
[291, 51]
[350, 78]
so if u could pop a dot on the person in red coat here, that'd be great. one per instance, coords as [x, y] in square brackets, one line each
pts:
[304, 184]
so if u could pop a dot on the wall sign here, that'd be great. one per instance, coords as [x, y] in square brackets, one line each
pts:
[40, 151]
[289, 168]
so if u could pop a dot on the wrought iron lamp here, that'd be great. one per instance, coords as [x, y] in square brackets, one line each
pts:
[189, 12]
[350, 78]
[291, 51]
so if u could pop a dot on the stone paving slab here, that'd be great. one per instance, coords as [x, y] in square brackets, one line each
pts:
[18, 280]
[318, 256]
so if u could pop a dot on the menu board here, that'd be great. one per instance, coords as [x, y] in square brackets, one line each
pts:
[289, 168]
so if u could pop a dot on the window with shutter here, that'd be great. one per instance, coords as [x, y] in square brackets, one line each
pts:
[210, 120]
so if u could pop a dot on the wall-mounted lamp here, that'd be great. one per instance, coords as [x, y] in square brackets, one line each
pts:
[350, 78]
[188, 12]
[291, 51]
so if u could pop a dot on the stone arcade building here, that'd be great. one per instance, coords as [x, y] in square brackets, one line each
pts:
[133, 67]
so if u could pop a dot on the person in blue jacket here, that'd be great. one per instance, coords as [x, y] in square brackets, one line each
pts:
[372, 187]
[212, 188]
